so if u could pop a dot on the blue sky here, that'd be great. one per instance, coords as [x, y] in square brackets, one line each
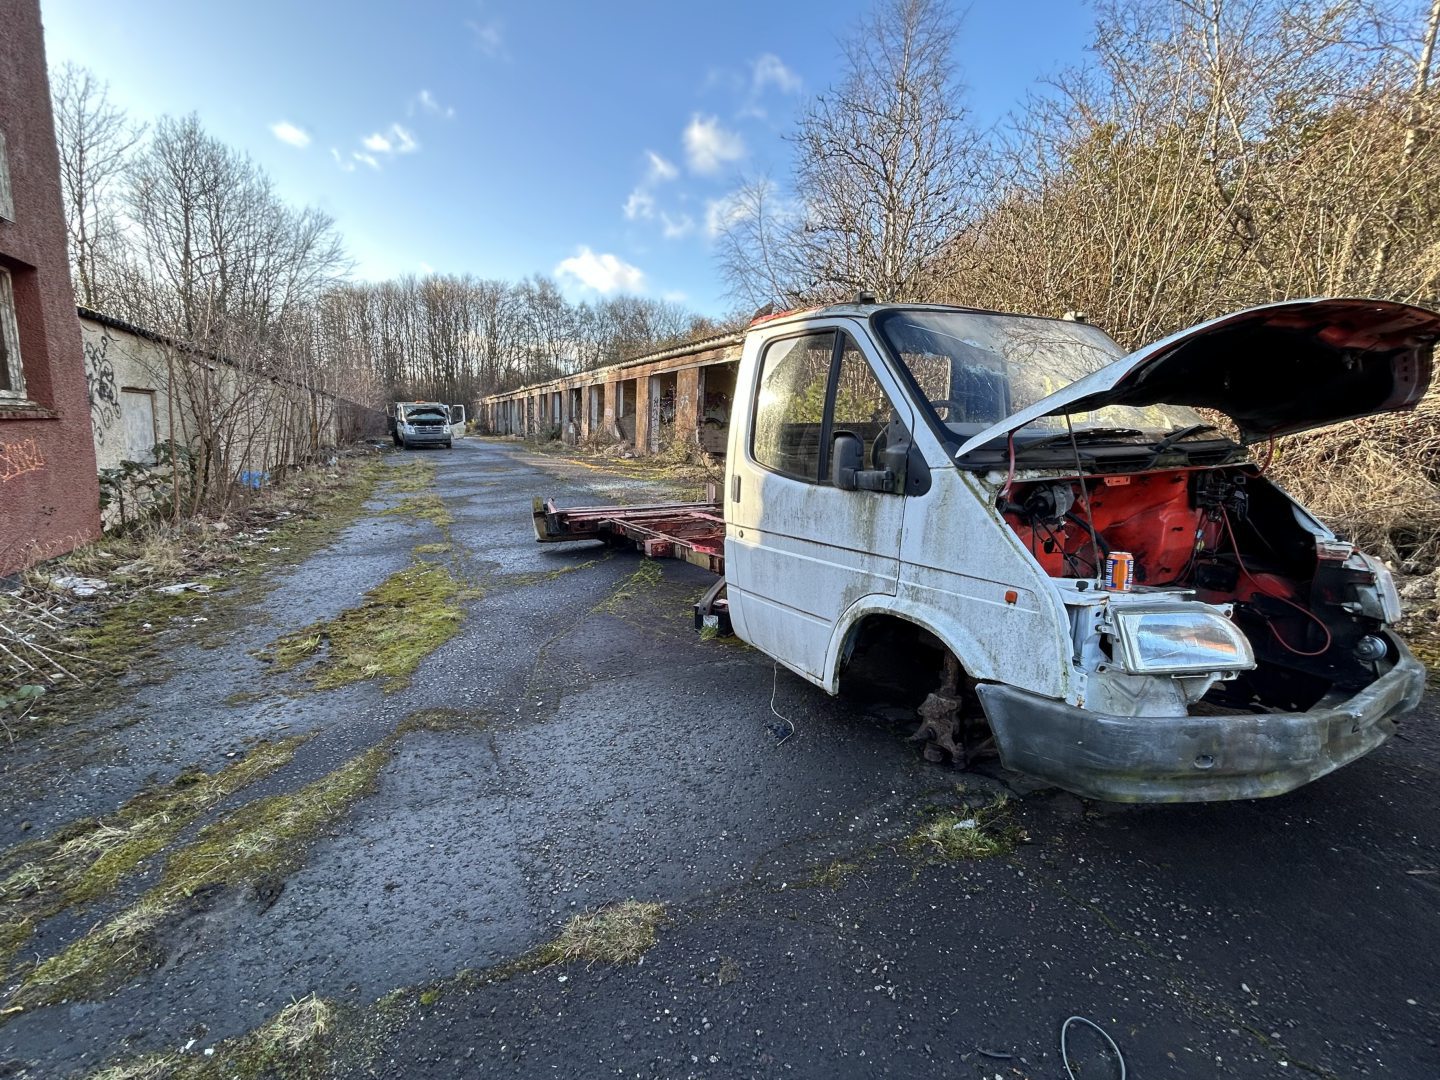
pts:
[503, 138]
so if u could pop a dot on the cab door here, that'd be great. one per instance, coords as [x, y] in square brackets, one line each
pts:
[798, 550]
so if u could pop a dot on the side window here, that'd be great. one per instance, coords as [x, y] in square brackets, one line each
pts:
[7, 199]
[861, 406]
[790, 405]
[12, 372]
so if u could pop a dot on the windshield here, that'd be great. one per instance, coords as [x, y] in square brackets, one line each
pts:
[974, 369]
[427, 414]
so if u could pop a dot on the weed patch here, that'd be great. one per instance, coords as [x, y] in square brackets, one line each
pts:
[430, 549]
[443, 720]
[616, 934]
[830, 876]
[295, 1042]
[969, 834]
[427, 507]
[89, 859]
[412, 476]
[401, 621]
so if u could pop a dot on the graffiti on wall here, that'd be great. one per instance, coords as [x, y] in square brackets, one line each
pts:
[104, 393]
[18, 458]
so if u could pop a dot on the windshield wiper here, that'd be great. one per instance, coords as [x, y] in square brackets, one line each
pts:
[1084, 435]
[1174, 437]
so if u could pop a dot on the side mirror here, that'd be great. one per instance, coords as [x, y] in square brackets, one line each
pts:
[847, 458]
[847, 467]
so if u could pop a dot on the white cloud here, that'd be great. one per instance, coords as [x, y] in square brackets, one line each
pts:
[604, 273]
[489, 35]
[640, 204]
[287, 132]
[393, 140]
[674, 228]
[708, 146]
[345, 165]
[723, 212]
[770, 70]
[366, 159]
[404, 141]
[675, 296]
[425, 102]
[660, 169]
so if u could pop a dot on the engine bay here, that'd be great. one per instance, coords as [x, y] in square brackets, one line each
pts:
[1312, 607]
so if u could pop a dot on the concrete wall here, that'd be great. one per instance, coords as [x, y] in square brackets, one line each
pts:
[146, 390]
[49, 500]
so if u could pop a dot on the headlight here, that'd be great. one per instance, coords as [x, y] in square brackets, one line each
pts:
[1389, 596]
[1190, 638]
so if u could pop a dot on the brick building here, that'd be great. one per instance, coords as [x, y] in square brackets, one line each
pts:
[49, 498]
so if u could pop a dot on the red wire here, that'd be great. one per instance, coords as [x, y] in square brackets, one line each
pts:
[1009, 476]
[1284, 600]
[1269, 457]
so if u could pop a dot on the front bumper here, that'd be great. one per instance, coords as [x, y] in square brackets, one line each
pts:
[1194, 758]
[426, 438]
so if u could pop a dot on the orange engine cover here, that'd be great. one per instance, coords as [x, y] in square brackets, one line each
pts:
[1147, 514]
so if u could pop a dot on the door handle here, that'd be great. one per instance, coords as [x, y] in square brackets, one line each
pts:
[735, 488]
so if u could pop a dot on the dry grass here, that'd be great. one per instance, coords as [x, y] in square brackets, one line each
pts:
[1375, 481]
[616, 934]
[292, 1043]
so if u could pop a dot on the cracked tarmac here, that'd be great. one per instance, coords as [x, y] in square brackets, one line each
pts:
[616, 755]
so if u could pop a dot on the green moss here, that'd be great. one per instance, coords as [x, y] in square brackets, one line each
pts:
[402, 621]
[539, 577]
[428, 507]
[89, 859]
[260, 842]
[431, 549]
[411, 476]
[443, 720]
[951, 835]
[646, 577]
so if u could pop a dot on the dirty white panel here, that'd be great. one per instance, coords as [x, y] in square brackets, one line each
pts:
[137, 418]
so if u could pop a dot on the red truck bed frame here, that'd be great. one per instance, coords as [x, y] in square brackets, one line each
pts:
[692, 532]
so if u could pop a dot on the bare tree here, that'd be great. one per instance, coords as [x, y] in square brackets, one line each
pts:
[884, 174]
[94, 138]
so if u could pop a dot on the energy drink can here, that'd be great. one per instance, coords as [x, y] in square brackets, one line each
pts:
[1119, 571]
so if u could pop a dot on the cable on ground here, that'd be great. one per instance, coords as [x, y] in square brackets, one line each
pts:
[776, 729]
[1064, 1050]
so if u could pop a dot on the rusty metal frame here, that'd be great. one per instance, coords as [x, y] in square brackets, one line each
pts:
[690, 532]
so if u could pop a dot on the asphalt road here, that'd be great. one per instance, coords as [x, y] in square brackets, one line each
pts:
[622, 757]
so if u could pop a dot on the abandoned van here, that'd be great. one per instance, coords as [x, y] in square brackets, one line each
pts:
[422, 423]
[1124, 601]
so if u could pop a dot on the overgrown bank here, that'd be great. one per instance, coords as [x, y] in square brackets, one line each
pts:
[72, 627]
